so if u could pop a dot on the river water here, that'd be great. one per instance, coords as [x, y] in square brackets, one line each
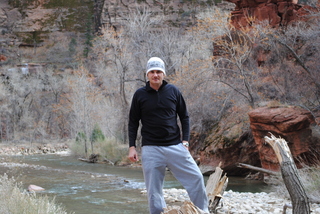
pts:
[85, 188]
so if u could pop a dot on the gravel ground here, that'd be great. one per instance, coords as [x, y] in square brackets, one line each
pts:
[242, 202]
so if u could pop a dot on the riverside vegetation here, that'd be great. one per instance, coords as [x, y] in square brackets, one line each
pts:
[15, 200]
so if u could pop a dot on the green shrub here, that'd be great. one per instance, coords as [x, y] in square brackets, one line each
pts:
[72, 46]
[97, 135]
[81, 137]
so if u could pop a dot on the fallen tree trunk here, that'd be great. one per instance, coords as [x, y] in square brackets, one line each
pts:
[291, 178]
[259, 169]
[95, 158]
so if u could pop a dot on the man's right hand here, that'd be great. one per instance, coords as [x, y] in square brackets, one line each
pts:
[133, 155]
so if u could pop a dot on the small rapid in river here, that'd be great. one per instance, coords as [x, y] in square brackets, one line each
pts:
[85, 188]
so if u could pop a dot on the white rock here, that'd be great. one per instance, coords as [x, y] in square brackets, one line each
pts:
[35, 188]
[316, 211]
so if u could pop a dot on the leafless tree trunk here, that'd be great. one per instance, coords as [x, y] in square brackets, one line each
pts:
[300, 201]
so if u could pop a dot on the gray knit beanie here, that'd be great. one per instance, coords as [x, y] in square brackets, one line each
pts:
[155, 63]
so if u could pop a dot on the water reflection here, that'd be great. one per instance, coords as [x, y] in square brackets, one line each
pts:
[93, 188]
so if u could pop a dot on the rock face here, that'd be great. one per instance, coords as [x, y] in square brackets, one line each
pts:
[34, 20]
[181, 13]
[225, 149]
[275, 12]
[38, 23]
[290, 123]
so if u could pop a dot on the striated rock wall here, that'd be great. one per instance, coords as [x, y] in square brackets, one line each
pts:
[36, 23]
[50, 15]
[177, 12]
[30, 19]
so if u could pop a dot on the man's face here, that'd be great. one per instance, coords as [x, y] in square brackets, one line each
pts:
[155, 76]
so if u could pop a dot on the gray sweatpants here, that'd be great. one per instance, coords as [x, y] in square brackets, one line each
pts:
[178, 159]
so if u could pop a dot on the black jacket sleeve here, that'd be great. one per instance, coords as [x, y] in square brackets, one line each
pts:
[184, 117]
[134, 118]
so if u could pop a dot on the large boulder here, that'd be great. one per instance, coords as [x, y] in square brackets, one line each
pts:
[290, 123]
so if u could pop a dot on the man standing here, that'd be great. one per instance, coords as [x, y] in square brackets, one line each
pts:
[157, 106]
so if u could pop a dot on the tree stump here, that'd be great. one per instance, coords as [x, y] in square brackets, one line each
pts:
[186, 208]
[291, 178]
[215, 188]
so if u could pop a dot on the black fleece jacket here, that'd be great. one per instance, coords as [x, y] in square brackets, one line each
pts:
[158, 112]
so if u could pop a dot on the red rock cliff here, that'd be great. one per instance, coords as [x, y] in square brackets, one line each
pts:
[275, 12]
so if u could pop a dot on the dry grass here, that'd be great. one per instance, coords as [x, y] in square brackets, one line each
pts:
[109, 148]
[310, 178]
[14, 200]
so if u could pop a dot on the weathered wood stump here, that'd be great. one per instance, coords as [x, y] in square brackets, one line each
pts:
[291, 178]
[215, 188]
[186, 208]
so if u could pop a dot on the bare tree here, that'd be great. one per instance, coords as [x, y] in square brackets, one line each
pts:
[84, 98]
[291, 56]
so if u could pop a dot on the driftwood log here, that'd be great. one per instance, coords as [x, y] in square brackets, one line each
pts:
[95, 158]
[259, 169]
[215, 188]
[291, 178]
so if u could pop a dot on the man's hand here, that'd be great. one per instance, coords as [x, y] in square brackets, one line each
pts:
[133, 156]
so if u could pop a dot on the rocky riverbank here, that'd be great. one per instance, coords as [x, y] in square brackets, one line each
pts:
[33, 148]
[241, 202]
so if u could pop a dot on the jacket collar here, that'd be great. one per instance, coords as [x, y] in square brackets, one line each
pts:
[148, 87]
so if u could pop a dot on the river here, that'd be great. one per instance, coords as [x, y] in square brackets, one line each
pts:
[85, 188]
